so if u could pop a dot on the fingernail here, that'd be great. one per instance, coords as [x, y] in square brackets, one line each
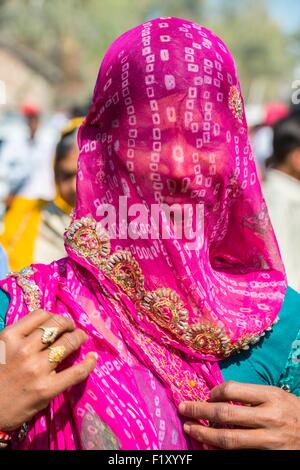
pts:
[186, 427]
[182, 408]
[94, 354]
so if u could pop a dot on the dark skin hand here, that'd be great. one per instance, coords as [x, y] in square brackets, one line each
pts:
[271, 421]
[28, 380]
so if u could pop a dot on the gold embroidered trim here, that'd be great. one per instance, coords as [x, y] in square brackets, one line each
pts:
[90, 240]
[207, 339]
[32, 293]
[163, 306]
[235, 102]
[126, 272]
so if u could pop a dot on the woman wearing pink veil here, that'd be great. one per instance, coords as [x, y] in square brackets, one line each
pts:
[166, 313]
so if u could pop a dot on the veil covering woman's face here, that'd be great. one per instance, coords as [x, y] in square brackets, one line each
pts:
[172, 175]
[166, 126]
[168, 118]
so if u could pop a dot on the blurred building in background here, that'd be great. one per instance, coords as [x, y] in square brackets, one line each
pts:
[21, 82]
[59, 44]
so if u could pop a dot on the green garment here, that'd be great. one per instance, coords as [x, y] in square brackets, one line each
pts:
[267, 362]
[4, 303]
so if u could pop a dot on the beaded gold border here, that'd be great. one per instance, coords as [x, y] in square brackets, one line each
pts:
[162, 306]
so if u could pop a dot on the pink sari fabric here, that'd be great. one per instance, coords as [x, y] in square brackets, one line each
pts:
[166, 125]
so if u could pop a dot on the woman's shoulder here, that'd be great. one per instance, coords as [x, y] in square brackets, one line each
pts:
[266, 362]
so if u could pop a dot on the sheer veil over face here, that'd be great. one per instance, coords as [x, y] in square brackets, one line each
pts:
[166, 126]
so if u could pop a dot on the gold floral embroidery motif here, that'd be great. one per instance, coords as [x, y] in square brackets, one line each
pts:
[207, 339]
[166, 308]
[125, 271]
[90, 240]
[162, 306]
[32, 293]
[235, 102]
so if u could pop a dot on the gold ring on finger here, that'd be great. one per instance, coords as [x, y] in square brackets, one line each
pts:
[56, 354]
[49, 335]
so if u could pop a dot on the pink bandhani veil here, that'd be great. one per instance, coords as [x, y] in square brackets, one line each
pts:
[166, 126]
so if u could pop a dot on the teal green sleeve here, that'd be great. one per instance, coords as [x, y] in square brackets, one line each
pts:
[265, 362]
[290, 378]
[4, 303]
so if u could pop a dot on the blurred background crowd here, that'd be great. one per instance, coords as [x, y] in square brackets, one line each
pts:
[50, 53]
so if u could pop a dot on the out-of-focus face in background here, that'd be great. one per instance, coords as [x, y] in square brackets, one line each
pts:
[65, 175]
[32, 116]
[33, 125]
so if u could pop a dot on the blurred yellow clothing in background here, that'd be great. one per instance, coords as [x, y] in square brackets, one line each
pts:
[33, 231]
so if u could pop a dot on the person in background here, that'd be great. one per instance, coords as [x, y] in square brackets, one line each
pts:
[26, 161]
[294, 108]
[282, 193]
[261, 134]
[34, 228]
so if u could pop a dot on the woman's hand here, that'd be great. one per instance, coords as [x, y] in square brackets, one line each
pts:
[28, 380]
[272, 421]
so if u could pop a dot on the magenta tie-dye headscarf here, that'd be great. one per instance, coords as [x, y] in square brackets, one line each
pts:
[166, 126]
